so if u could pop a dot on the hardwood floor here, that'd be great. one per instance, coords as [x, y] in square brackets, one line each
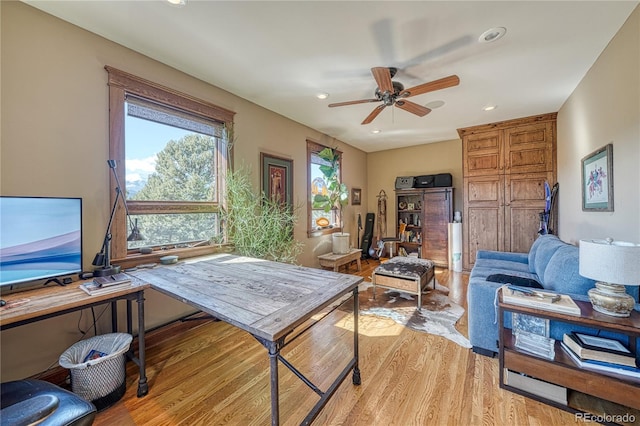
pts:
[210, 373]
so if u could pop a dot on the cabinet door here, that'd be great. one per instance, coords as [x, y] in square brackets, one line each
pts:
[484, 217]
[437, 213]
[482, 153]
[524, 201]
[530, 148]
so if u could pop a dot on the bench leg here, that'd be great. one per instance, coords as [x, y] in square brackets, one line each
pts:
[419, 294]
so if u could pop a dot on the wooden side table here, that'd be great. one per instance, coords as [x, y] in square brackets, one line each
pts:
[561, 370]
[332, 260]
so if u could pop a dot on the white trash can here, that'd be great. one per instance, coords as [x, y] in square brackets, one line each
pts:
[97, 367]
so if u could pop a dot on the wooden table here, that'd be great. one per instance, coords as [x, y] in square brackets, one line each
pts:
[334, 261]
[47, 302]
[266, 299]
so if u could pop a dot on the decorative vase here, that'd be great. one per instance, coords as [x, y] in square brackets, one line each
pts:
[340, 243]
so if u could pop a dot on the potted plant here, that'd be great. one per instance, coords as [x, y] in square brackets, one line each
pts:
[336, 196]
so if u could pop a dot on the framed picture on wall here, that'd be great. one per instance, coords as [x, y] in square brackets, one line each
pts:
[277, 178]
[597, 180]
[356, 196]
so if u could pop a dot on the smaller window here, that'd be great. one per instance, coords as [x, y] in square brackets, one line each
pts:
[319, 222]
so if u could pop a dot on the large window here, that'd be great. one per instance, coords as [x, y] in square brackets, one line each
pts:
[319, 222]
[173, 156]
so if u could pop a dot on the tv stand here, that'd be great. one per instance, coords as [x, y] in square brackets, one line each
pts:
[55, 280]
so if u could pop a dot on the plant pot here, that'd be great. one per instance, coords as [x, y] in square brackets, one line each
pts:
[340, 243]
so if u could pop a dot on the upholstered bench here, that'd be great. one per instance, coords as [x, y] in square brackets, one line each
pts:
[404, 273]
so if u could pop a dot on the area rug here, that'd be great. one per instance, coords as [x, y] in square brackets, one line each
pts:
[438, 315]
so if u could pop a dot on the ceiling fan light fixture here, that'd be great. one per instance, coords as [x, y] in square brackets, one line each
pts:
[492, 34]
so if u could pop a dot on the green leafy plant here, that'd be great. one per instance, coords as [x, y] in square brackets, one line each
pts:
[337, 195]
[257, 226]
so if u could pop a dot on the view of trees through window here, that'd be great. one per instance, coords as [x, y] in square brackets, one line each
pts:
[167, 164]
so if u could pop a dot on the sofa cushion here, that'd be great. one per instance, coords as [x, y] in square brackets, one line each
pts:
[561, 273]
[502, 265]
[534, 248]
[543, 253]
[480, 273]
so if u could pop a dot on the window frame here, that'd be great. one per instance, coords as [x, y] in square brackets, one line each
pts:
[314, 148]
[120, 85]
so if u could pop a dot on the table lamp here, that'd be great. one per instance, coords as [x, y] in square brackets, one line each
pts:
[103, 258]
[613, 264]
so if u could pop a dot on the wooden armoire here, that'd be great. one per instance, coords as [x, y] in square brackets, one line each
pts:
[505, 165]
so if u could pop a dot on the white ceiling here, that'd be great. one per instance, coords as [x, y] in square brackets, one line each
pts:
[281, 54]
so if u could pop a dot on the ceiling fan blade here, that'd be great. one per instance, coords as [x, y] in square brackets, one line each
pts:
[443, 83]
[362, 101]
[374, 114]
[413, 108]
[383, 79]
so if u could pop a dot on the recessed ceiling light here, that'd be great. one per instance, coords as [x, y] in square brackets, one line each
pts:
[322, 95]
[177, 2]
[492, 34]
[375, 131]
[490, 107]
[434, 104]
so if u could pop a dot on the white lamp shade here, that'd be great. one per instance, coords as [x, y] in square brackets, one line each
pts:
[614, 262]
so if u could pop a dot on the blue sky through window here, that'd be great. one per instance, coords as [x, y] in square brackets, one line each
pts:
[144, 140]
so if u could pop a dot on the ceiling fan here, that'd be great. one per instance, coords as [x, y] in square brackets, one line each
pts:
[393, 93]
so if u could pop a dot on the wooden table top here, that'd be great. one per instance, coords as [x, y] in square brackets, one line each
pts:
[43, 301]
[267, 299]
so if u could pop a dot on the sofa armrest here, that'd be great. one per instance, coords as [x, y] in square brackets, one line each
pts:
[503, 255]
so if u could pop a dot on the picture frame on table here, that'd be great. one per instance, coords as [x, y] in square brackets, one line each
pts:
[356, 196]
[276, 177]
[597, 180]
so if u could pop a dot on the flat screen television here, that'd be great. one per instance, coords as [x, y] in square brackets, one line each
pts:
[40, 238]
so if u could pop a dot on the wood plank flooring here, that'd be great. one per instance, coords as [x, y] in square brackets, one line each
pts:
[209, 373]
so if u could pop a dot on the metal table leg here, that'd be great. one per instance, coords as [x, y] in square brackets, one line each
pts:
[143, 386]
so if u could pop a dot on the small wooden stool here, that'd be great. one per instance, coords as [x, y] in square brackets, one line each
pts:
[332, 260]
[404, 273]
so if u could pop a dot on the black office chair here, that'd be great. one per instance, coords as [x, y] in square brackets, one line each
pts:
[27, 402]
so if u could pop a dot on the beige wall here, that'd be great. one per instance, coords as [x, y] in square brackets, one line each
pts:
[603, 109]
[384, 166]
[54, 142]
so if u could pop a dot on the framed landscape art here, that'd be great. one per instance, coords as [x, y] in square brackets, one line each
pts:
[597, 180]
[277, 178]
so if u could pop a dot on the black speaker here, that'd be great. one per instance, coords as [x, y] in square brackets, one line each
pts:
[443, 179]
[367, 236]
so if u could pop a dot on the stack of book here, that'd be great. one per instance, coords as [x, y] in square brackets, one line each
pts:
[102, 285]
[534, 298]
[601, 354]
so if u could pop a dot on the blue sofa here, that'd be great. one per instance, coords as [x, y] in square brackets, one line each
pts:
[551, 262]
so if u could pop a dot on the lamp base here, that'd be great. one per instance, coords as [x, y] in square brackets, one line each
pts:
[106, 271]
[611, 299]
